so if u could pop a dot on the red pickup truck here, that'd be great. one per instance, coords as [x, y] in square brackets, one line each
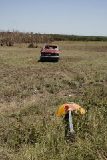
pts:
[50, 53]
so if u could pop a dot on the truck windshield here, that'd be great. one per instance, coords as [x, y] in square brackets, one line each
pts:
[50, 47]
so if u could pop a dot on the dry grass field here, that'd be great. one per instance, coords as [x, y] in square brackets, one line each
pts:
[30, 92]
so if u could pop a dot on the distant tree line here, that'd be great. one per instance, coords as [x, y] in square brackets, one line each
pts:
[9, 38]
[58, 37]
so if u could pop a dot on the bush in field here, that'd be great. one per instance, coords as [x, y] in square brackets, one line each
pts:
[7, 42]
[10, 43]
[32, 45]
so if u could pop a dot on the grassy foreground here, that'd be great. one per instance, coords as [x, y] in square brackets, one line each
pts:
[30, 92]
